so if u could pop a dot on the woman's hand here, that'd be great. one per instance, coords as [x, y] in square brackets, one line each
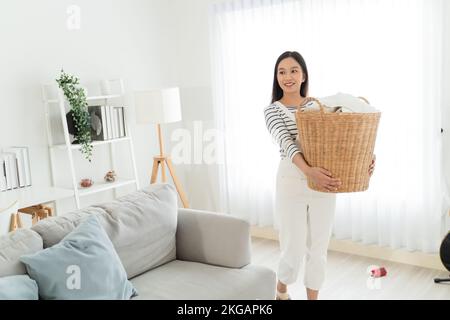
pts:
[372, 166]
[323, 179]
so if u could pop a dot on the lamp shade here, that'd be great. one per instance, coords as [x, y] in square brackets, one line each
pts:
[158, 106]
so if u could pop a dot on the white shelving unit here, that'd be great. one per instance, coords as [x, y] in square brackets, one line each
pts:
[99, 186]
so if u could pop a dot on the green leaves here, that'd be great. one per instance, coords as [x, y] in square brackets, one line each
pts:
[76, 97]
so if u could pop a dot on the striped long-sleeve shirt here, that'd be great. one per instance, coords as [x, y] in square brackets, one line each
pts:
[283, 129]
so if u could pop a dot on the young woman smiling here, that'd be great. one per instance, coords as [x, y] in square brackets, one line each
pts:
[305, 216]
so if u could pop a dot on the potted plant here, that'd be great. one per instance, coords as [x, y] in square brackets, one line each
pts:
[78, 118]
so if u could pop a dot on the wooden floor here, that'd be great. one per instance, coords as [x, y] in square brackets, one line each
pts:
[347, 277]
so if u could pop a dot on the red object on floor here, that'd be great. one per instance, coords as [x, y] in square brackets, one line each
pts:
[378, 273]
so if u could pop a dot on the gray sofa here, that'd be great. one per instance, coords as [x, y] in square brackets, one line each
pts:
[168, 253]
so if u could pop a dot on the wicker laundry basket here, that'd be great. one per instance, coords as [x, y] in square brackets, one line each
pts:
[342, 143]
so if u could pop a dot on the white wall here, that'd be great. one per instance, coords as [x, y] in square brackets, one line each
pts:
[446, 100]
[446, 92]
[132, 39]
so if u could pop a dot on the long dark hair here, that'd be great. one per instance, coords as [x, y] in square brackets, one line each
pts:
[277, 92]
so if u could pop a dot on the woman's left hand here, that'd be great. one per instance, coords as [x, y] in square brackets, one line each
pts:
[372, 166]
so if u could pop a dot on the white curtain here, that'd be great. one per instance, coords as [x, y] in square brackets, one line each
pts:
[389, 51]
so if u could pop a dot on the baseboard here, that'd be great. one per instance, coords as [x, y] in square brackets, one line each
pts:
[419, 259]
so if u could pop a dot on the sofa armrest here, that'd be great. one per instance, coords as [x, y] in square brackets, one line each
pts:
[213, 238]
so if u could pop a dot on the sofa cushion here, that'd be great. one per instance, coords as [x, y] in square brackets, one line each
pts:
[183, 280]
[141, 225]
[213, 238]
[54, 229]
[83, 265]
[14, 245]
[20, 287]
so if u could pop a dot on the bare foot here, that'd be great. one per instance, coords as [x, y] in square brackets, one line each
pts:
[312, 294]
[281, 287]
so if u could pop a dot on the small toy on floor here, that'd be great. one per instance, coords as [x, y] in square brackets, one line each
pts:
[379, 272]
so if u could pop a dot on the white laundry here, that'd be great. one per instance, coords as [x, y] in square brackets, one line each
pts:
[342, 102]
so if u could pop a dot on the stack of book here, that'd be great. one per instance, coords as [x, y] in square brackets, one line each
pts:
[108, 122]
[14, 168]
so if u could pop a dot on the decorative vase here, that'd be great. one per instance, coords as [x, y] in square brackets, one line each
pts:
[71, 126]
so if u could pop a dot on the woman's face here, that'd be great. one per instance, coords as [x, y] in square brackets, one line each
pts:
[290, 75]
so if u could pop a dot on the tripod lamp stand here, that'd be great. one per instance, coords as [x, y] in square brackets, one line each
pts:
[160, 106]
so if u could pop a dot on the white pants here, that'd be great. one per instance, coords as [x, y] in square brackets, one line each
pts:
[305, 219]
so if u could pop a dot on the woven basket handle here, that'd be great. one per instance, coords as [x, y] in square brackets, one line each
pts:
[322, 108]
[309, 99]
[364, 99]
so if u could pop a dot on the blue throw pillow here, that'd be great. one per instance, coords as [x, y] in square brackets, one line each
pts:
[84, 265]
[20, 287]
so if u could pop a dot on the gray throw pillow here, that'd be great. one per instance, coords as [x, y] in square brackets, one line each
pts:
[18, 288]
[13, 246]
[84, 265]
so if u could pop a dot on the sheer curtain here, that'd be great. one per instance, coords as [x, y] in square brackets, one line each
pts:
[389, 51]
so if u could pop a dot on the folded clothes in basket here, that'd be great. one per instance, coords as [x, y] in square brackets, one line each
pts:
[341, 102]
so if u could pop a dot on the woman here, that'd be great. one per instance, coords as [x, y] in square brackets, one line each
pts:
[305, 216]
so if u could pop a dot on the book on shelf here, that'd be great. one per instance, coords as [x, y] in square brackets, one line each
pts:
[103, 118]
[107, 122]
[26, 161]
[120, 126]
[113, 122]
[3, 183]
[12, 173]
[14, 168]
[121, 122]
[97, 123]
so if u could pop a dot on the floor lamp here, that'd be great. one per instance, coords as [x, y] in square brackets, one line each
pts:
[160, 106]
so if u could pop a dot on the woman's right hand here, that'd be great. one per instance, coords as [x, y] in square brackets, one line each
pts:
[323, 179]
